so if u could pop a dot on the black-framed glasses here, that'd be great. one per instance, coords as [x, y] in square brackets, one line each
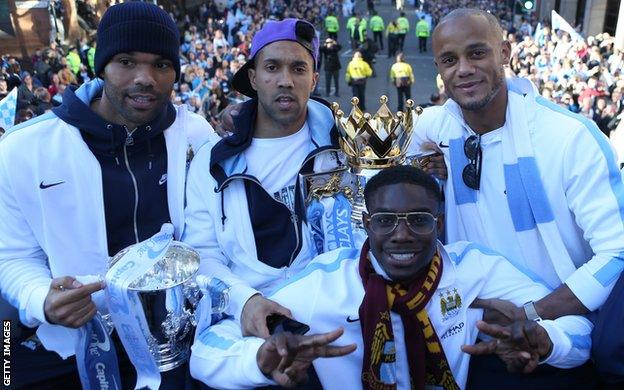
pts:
[419, 222]
[472, 172]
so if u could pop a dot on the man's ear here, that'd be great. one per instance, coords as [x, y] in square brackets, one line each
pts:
[505, 52]
[251, 73]
[315, 79]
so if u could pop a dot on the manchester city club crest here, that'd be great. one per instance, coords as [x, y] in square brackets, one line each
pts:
[450, 303]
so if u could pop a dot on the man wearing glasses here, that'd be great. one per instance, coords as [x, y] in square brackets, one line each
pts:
[525, 177]
[400, 306]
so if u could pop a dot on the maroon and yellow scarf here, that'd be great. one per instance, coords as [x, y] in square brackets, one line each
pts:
[427, 362]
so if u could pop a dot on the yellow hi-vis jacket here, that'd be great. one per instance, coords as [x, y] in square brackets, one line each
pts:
[422, 28]
[401, 70]
[403, 24]
[376, 23]
[357, 69]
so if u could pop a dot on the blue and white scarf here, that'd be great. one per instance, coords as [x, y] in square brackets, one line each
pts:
[528, 203]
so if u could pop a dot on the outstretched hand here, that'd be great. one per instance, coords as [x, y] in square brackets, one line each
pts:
[286, 357]
[520, 346]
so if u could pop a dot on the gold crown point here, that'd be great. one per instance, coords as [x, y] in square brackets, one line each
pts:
[339, 113]
[419, 110]
[400, 114]
[383, 99]
[367, 116]
[335, 106]
[355, 101]
[409, 103]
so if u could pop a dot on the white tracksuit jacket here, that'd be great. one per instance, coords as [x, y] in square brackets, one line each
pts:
[61, 231]
[226, 246]
[329, 290]
[582, 184]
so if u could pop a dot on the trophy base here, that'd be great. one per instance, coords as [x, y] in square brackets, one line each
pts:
[168, 358]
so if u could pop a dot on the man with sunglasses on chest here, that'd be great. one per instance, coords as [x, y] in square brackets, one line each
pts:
[398, 308]
[525, 177]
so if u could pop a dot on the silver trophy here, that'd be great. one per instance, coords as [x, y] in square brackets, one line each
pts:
[169, 294]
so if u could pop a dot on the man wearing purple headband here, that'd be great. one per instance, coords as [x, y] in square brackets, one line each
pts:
[247, 217]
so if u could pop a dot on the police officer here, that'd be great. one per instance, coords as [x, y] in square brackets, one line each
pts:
[353, 24]
[403, 77]
[363, 30]
[377, 27]
[358, 71]
[392, 33]
[422, 32]
[404, 26]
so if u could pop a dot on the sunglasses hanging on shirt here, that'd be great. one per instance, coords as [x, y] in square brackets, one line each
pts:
[472, 172]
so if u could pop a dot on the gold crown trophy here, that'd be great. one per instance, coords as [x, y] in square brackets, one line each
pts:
[372, 143]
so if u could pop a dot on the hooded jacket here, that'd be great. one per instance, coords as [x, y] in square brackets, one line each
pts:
[53, 190]
[243, 235]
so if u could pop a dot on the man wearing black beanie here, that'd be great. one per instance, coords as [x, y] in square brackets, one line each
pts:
[99, 173]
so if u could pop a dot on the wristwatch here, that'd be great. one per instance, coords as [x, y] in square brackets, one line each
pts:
[531, 313]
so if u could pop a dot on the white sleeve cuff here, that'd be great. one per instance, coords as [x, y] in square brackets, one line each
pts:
[35, 313]
[250, 365]
[587, 289]
[561, 344]
[239, 295]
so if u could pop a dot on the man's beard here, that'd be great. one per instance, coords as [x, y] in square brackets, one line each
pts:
[480, 104]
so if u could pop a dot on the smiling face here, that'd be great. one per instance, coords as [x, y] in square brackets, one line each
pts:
[137, 86]
[470, 54]
[402, 253]
[283, 77]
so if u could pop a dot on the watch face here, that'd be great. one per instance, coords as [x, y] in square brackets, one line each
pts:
[531, 312]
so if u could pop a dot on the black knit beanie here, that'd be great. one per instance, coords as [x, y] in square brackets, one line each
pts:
[137, 26]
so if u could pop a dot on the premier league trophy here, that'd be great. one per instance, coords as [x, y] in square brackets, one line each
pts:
[334, 193]
[372, 143]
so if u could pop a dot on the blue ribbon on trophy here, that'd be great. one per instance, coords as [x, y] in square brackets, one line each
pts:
[126, 309]
[96, 356]
[328, 209]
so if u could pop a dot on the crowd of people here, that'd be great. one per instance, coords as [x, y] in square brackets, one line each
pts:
[585, 75]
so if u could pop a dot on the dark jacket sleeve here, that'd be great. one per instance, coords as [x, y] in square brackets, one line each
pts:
[608, 338]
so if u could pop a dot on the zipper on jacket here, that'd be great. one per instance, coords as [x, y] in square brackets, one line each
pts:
[293, 215]
[295, 221]
[136, 192]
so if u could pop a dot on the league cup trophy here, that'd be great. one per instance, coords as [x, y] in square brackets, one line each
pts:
[163, 292]
[155, 300]
[372, 143]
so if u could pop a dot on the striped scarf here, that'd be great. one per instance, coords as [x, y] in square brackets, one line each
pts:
[422, 343]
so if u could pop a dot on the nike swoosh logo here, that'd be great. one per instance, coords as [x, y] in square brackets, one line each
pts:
[44, 186]
[162, 180]
[349, 319]
[442, 145]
